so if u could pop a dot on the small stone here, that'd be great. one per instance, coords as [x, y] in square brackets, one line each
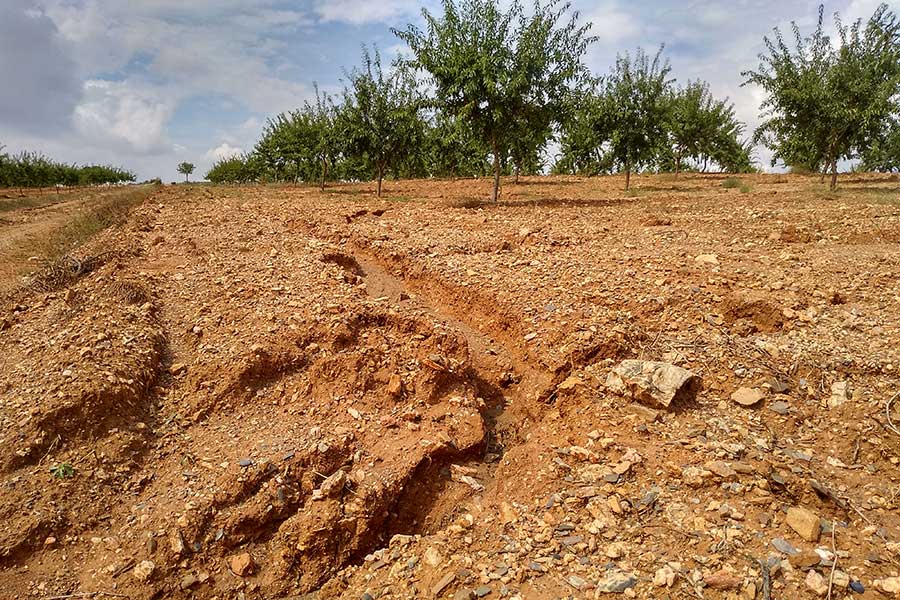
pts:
[664, 577]
[840, 393]
[857, 587]
[816, 583]
[177, 368]
[245, 462]
[804, 560]
[176, 543]
[577, 582]
[616, 583]
[722, 469]
[50, 541]
[615, 551]
[188, 581]
[433, 557]
[644, 413]
[707, 259]
[570, 383]
[780, 407]
[332, 487]
[464, 594]
[747, 396]
[722, 580]
[241, 564]
[888, 585]
[805, 522]
[507, 513]
[144, 570]
[536, 566]
[395, 386]
[482, 591]
[782, 545]
[442, 583]
[841, 580]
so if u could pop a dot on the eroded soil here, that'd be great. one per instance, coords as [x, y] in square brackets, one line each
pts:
[271, 392]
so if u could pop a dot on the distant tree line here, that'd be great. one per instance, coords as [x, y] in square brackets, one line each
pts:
[33, 170]
[488, 89]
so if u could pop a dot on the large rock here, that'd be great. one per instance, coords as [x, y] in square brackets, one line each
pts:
[653, 383]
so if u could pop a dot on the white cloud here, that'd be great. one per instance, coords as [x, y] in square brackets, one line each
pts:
[610, 23]
[360, 12]
[223, 151]
[118, 115]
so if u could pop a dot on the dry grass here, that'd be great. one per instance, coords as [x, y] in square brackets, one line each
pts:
[42, 241]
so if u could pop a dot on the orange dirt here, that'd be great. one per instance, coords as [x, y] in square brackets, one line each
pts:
[276, 392]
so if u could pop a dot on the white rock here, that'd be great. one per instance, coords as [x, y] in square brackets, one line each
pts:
[654, 383]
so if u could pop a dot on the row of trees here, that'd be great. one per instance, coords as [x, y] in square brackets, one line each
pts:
[33, 170]
[503, 83]
[636, 119]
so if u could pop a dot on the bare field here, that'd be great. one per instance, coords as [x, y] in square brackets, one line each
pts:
[277, 392]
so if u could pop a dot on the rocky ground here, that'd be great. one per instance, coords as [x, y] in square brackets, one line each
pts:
[276, 392]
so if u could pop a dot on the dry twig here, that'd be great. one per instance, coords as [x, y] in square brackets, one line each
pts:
[887, 412]
[833, 562]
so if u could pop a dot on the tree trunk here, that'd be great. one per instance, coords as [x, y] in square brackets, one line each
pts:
[324, 173]
[824, 172]
[495, 194]
[627, 177]
[677, 163]
[833, 174]
[380, 178]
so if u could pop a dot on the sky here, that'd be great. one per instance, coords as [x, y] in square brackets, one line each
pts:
[147, 84]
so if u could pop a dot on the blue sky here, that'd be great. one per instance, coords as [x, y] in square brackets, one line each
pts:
[146, 84]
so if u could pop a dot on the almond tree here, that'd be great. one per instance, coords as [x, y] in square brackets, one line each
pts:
[633, 110]
[301, 145]
[499, 69]
[828, 100]
[380, 118]
[702, 128]
[883, 154]
[186, 169]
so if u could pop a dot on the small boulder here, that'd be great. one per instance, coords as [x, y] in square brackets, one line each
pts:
[616, 583]
[653, 383]
[840, 393]
[816, 583]
[805, 522]
[747, 396]
[332, 487]
[241, 564]
[143, 571]
[888, 585]
[723, 580]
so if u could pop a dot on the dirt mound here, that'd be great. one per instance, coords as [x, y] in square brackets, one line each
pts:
[751, 313]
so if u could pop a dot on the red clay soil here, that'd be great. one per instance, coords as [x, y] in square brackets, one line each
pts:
[276, 392]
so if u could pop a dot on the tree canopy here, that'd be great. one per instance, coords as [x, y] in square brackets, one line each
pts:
[501, 71]
[827, 100]
[185, 168]
[380, 120]
[34, 170]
